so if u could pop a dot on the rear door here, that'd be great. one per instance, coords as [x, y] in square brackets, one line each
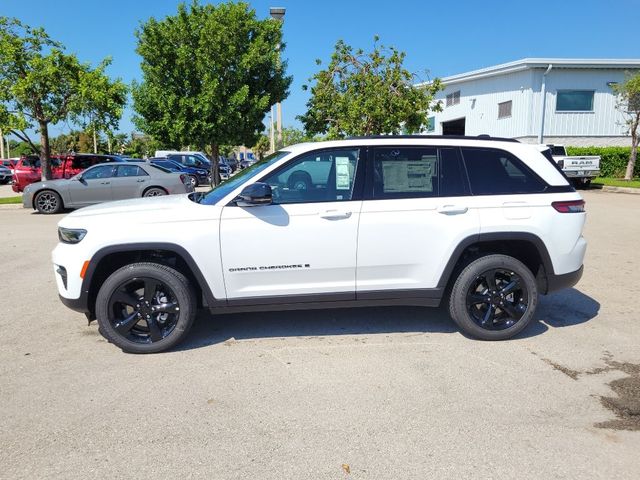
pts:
[415, 212]
[129, 181]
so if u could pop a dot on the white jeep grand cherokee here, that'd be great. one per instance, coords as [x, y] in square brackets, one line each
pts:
[487, 224]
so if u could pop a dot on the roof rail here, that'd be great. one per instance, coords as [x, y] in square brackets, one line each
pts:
[483, 136]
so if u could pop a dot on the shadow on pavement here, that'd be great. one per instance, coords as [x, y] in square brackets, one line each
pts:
[211, 329]
[562, 309]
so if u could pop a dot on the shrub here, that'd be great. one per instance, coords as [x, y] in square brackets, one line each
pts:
[613, 160]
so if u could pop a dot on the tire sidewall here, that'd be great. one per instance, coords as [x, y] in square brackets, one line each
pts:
[458, 300]
[168, 276]
[51, 192]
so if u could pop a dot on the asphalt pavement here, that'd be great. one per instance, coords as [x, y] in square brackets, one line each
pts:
[328, 394]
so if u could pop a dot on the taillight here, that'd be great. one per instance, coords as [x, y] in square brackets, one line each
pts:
[561, 163]
[183, 179]
[572, 206]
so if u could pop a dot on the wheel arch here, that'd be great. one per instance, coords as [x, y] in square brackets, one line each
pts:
[109, 259]
[524, 246]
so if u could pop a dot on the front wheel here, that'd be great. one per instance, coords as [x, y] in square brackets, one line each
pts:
[145, 307]
[48, 202]
[494, 298]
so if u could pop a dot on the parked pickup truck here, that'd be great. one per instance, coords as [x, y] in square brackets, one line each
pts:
[580, 170]
[28, 170]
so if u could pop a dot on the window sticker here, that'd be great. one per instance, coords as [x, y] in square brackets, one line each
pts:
[409, 175]
[343, 174]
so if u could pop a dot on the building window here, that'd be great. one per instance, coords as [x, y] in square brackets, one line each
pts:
[574, 101]
[453, 98]
[504, 109]
[431, 124]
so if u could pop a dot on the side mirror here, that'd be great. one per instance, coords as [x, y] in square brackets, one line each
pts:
[255, 194]
[79, 177]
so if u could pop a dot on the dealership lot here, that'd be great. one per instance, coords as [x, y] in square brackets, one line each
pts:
[363, 393]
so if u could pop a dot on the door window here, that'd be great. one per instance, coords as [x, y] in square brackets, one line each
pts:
[130, 171]
[405, 172]
[322, 176]
[102, 171]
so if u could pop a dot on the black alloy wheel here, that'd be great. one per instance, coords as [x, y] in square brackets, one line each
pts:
[494, 297]
[145, 307]
[143, 310]
[497, 299]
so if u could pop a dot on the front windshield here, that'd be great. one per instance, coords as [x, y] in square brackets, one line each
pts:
[217, 193]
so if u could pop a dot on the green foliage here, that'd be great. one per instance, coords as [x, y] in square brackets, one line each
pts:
[262, 146]
[628, 103]
[367, 94]
[616, 182]
[210, 74]
[613, 160]
[23, 148]
[291, 136]
[41, 85]
[10, 200]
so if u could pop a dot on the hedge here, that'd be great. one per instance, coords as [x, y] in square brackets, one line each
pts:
[613, 160]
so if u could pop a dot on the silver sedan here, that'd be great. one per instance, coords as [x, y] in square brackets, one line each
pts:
[103, 183]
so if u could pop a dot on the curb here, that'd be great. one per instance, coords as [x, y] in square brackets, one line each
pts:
[606, 188]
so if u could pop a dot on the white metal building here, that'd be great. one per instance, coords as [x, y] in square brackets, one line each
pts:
[537, 100]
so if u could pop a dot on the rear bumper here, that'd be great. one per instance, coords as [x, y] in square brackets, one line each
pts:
[565, 280]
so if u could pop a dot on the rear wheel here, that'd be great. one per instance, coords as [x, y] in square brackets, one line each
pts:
[145, 307]
[154, 192]
[48, 202]
[494, 298]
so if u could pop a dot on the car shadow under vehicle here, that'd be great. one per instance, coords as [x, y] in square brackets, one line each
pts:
[563, 309]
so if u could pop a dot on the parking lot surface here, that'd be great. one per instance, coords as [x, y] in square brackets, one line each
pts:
[361, 393]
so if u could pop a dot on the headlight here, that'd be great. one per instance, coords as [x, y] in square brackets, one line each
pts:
[71, 235]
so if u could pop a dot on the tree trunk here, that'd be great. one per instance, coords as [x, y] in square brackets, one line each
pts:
[45, 151]
[634, 148]
[215, 165]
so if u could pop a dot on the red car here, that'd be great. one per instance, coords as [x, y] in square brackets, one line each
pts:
[28, 170]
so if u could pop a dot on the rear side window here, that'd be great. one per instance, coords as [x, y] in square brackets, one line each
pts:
[493, 172]
[405, 172]
[130, 171]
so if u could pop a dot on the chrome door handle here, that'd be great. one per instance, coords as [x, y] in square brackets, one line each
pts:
[105, 183]
[452, 209]
[335, 214]
[140, 181]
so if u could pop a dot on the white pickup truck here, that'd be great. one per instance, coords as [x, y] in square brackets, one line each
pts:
[580, 170]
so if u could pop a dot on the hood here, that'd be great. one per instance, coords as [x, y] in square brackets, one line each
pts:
[48, 183]
[146, 205]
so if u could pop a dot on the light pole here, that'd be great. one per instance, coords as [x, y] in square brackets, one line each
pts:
[277, 13]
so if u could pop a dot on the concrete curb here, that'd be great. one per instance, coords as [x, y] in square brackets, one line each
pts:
[606, 188]
[10, 206]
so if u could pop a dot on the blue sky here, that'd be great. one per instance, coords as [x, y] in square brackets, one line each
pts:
[439, 37]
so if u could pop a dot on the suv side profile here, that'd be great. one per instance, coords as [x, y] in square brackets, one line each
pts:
[484, 224]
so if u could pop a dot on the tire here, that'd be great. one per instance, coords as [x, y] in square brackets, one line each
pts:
[500, 315]
[299, 181]
[154, 192]
[140, 293]
[193, 180]
[48, 202]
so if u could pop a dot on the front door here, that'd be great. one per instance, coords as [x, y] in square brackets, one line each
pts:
[93, 187]
[305, 242]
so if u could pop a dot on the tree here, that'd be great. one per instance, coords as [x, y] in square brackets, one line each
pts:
[628, 103]
[41, 85]
[210, 73]
[261, 146]
[367, 94]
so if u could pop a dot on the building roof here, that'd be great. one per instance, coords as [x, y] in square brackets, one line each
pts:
[530, 63]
